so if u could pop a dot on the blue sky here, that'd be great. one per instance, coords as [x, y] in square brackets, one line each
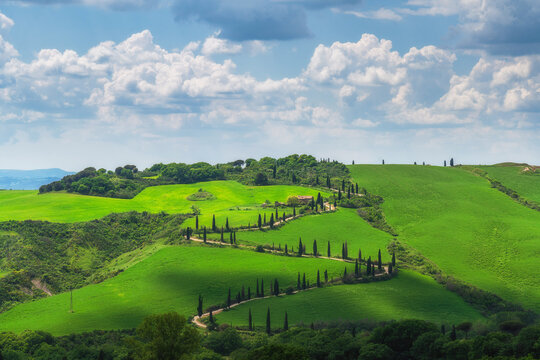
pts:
[108, 82]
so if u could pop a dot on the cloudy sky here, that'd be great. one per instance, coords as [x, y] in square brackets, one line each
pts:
[108, 82]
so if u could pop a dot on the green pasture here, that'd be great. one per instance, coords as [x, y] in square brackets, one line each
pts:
[169, 280]
[470, 230]
[525, 184]
[408, 296]
[344, 225]
[240, 203]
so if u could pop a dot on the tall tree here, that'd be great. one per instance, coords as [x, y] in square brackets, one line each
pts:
[300, 247]
[200, 306]
[304, 282]
[444, 163]
[359, 255]
[343, 185]
[204, 234]
[452, 162]
[231, 237]
[259, 222]
[249, 293]
[268, 326]
[356, 192]
[294, 211]
[368, 266]
[394, 259]
[262, 287]
[349, 192]
[211, 317]
[339, 194]
[356, 268]
[286, 323]
[258, 291]
[197, 222]
[188, 233]
[383, 162]
[271, 221]
[328, 250]
[264, 222]
[315, 252]
[214, 223]
[343, 250]
[227, 223]
[318, 279]
[286, 250]
[276, 287]
[229, 299]
[326, 276]
[379, 261]
[390, 269]
[250, 321]
[222, 234]
[298, 285]
[328, 184]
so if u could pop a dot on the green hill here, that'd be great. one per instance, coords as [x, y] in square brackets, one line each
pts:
[339, 227]
[408, 296]
[171, 279]
[525, 183]
[238, 202]
[470, 230]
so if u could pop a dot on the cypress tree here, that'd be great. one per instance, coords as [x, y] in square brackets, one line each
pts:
[359, 255]
[227, 223]
[373, 270]
[268, 328]
[342, 250]
[356, 188]
[318, 279]
[231, 237]
[284, 217]
[188, 233]
[276, 287]
[394, 259]
[262, 287]
[298, 286]
[277, 215]
[222, 234]
[349, 193]
[443, 328]
[258, 292]
[326, 276]
[319, 200]
[211, 317]
[214, 223]
[444, 166]
[286, 323]
[346, 250]
[453, 335]
[286, 250]
[264, 222]
[197, 222]
[200, 306]
[234, 236]
[356, 268]
[390, 269]
[300, 247]
[315, 252]
[294, 211]
[345, 273]
[271, 221]
[328, 251]
[250, 321]
[304, 282]
[249, 293]
[243, 294]
[204, 234]
[379, 261]
[343, 185]
[368, 267]
[339, 194]
[229, 299]
[452, 162]
[259, 223]
[335, 204]
[383, 162]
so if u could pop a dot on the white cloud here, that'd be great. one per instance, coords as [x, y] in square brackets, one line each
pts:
[7, 51]
[379, 14]
[364, 123]
[214, 45]
[5, 22]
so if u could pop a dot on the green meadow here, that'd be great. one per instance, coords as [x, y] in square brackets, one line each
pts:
[169, 280]
[525, 184]
[470, 230]
[408, 296]
[240, 203]
[344, 225]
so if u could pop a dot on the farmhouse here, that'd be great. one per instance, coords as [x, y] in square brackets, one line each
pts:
[305, 199]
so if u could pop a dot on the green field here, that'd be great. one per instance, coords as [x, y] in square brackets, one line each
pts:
[408, 296]
[339, 227]
[240, 203]
[470, 230]
[525, 184]
[171, 279]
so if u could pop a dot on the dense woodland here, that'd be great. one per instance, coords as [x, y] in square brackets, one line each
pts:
[64, 256]
[169, 336]
[126, 182]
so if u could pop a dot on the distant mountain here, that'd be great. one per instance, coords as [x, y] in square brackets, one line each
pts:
[29, 179]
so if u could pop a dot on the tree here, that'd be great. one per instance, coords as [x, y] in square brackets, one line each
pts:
[249, 293]
[250, 321]
[356, 268]
[271, 221]
[383, 162]
[359, 254]
[356, 192]
[259, 222]
[298, 285]
[300, 247]
[231, 237]
[200, 306]
[339, 194]
[264, 220]
[379, 261]
[453, 335]
[345, 273]
[268, 327]
[286, 250]
[294, 211]
[318, 279]
[328, 184]
[227, 223]
[258, 292]
[214, 223]
[197, 222]
[452, 162]
[286, 323]
[390, 269]
[315, 253]
[349, 193]
[261, 179]
[204, 234]
[394, 259]
[326, 276]
[328, 250]
[304, 286]
[343, 185]
[167, 336]
[444, 163]
[276, 287]
[211, 317]
[229, 299]
[465, 327]
[222, 234]
[262, 287]
[368, 267]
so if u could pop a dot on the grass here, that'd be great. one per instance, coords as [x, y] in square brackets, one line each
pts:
[470, 230]
[238, 202]
[526, 185]
[169, 280]
[337, 228]
[408, 296]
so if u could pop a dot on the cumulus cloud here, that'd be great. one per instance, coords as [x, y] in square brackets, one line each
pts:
[5, 22]
[215, 45]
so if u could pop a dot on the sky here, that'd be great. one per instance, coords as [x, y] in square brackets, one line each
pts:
[105, 83]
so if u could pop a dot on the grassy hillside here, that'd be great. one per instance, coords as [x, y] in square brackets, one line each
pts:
[171, 279]
[238, 202]
[408, 296]
[339, 227]
[525, 184]
[456, 219]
